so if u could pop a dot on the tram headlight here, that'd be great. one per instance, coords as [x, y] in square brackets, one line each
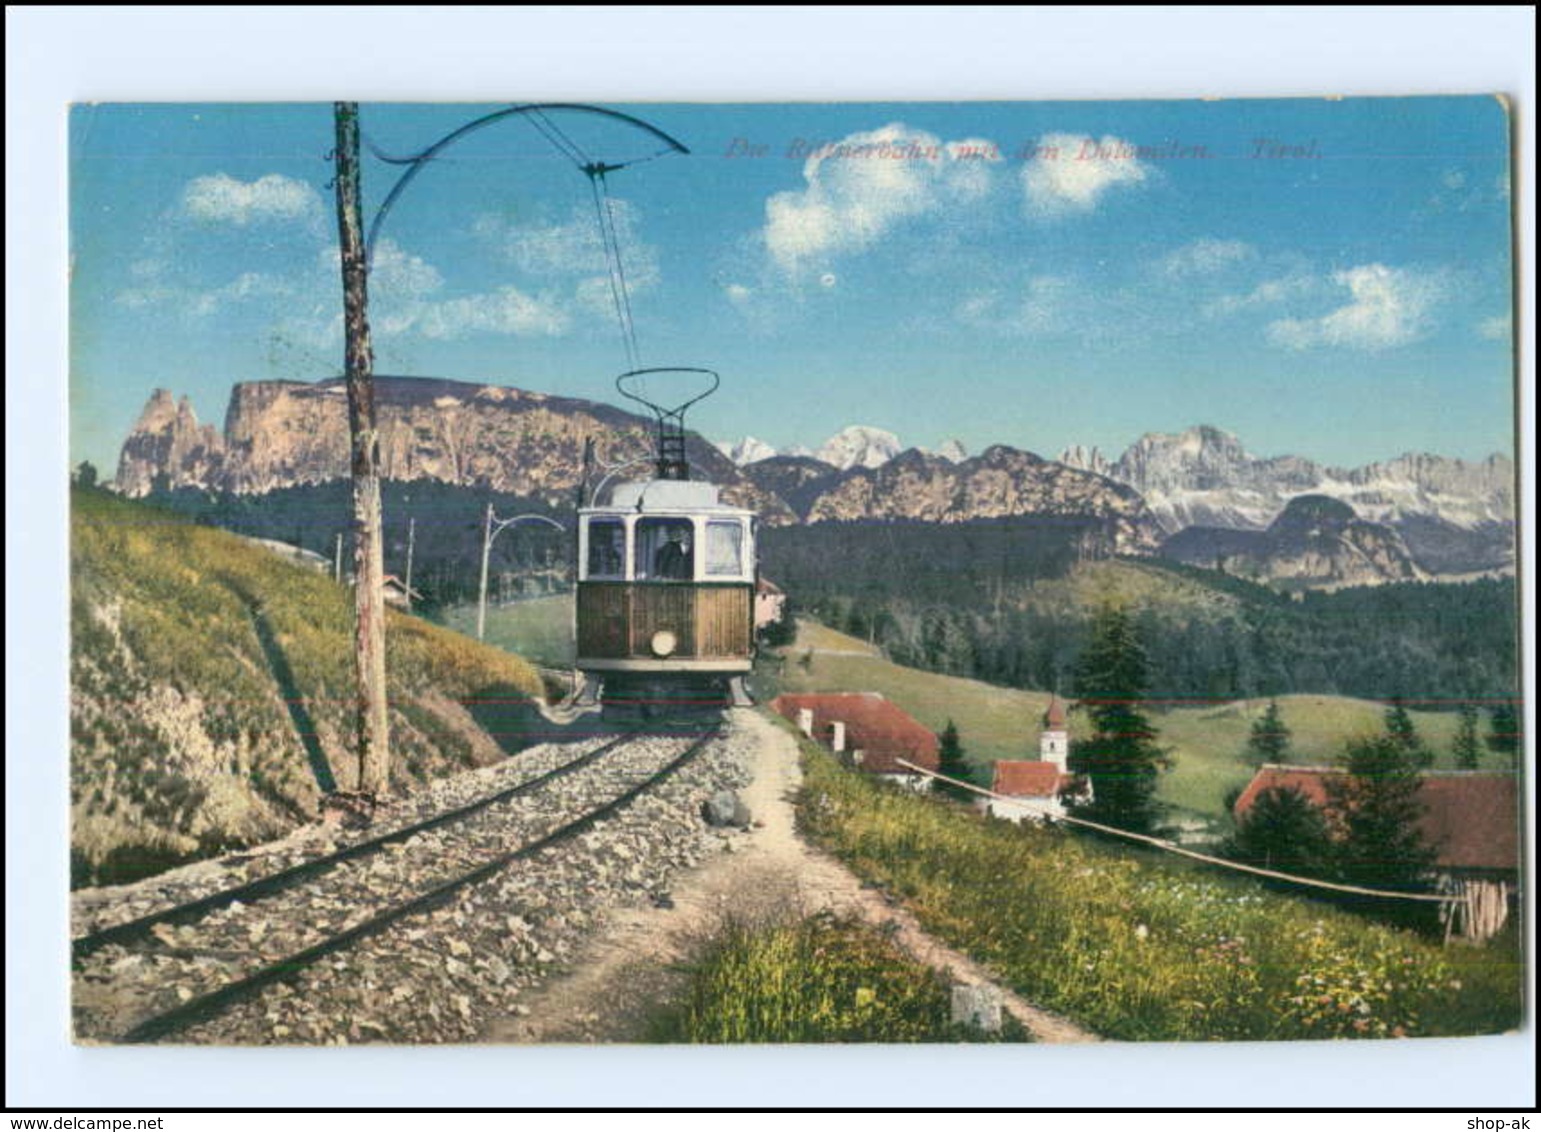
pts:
[663, 643]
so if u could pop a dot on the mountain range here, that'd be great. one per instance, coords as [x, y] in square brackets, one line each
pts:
[1455, 516]
[1418, 515]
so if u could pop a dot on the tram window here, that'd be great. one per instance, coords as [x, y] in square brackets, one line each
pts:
[724, 549]
[665, 550]
[607, 549]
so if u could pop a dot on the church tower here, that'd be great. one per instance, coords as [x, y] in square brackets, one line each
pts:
[1054, 743]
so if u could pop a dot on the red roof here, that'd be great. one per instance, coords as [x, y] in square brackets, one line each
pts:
[881, 730]
[1470, 817]
[1022, 778]
[1054, 718]
[766, 586]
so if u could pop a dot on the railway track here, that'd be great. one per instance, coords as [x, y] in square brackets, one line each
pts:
[207, 954]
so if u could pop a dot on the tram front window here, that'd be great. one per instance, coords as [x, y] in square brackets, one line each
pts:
[607, 549]
[665, 550]
[724, 549]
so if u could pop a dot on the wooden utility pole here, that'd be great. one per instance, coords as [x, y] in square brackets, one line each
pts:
[481, 600]
[411, 542]
[369, 556]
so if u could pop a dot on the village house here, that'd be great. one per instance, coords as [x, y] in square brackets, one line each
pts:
[398, 594]
[866, 731]
[1470, 820]
[1041, 788]
[769, 603]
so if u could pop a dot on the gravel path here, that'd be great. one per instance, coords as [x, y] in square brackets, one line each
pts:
[766, 872]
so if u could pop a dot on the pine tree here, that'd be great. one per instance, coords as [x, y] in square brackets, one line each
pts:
[1270, 741]
[1399, 727]
[1503, 736]
[1375, 804]
[1467, 749]
[1284, 830]
[953, 763]
[1121, 758]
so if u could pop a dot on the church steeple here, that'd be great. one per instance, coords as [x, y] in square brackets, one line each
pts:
[1054, 741]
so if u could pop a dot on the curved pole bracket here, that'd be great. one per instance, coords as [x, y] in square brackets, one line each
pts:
[417, 162]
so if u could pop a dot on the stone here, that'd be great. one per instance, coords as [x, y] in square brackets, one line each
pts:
[724, 809]
[977, 1007]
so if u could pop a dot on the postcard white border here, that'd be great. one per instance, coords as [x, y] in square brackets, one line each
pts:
[59, 55]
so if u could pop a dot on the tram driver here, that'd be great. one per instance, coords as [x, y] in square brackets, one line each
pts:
[673, 561]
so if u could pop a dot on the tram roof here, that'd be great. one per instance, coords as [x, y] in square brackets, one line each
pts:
[666, 495]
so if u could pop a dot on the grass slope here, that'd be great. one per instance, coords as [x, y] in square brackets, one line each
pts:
[1207, 742]
[539, 629]
[212, 691]
[1142, 946]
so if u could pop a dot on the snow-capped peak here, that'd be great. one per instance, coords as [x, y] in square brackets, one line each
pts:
[859, 446]
[745, 451]
[953, 450]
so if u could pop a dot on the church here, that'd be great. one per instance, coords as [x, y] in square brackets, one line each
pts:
[1041, 788]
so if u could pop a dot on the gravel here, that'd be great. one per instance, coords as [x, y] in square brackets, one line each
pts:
[438, 976]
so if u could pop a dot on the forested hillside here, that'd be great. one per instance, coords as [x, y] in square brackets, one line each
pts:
[1010, 603]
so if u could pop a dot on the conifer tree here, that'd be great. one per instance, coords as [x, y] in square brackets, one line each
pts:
[953, 763]
[1270, 740]
[1399, 727]
[1284, 830]
[1467, 749]
[1376, 807]
[1121, 758]
[1503, 736]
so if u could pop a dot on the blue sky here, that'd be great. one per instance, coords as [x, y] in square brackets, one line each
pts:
[1329, 278]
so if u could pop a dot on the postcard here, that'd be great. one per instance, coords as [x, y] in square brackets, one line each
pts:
[675, 573]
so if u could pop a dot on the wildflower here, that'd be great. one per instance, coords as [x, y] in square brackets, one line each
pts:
[1141, 932]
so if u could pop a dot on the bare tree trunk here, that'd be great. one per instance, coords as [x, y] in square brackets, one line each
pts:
[411, 543]
[369, 557]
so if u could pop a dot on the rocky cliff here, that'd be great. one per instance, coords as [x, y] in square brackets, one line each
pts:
[282, 434]
[999, 482]
[168, 442]
[1315, 542]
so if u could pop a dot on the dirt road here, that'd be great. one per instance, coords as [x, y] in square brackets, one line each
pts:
[767, 872]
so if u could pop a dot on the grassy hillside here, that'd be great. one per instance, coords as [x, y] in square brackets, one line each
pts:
[1143, 946]
[539, 629]
[212, 689]
[1207, 742]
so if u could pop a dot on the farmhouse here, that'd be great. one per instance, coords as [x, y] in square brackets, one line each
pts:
[866, 731]
[1039, 788]
[769, 602]
[1470, 819]
[398, 594]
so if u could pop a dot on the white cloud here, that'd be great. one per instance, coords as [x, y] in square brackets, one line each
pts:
[1205, 256]
[1497, 328]
[247, 285]
[221, 198]
[1071, 172]
[1041, 306]
[863, 186]
[1389, 307]
[1296, 285]
[507, 310]
[574, 247]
